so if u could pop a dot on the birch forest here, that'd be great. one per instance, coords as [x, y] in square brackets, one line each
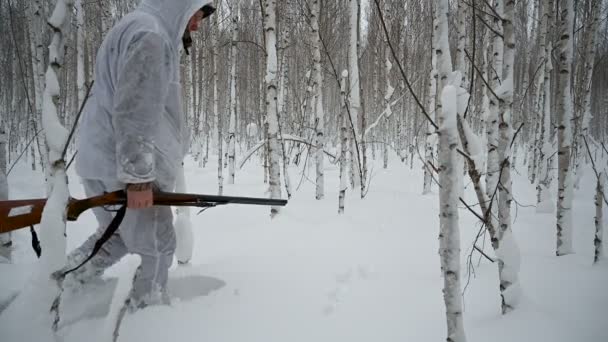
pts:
[472, 96]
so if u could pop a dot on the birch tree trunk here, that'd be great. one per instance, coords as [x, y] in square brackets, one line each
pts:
[37, 30]
[388, 94]
[183, 226]
[318, 86]
[343, 120]
[272, 120]
[588, 65]
[507, 251]
[5, 239]
[354, 90]
[430, 139]
[493, 167]
[233, 104]
[216, 113]
[599, 219]
[564, 130]
[545, 199]
[449, 235]
[80, 62]
[40, 293]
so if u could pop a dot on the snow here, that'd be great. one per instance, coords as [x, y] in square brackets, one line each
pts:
[474, 147]
[370, 274]
[127, 268]
[449, 103]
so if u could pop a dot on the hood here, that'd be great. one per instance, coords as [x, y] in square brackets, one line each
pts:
[174, 14]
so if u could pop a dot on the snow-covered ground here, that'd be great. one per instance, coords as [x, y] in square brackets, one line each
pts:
[371, 274]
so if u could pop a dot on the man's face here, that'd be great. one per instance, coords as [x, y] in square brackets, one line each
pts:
[195, 21]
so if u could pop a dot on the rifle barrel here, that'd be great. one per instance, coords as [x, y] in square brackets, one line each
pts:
[17, 214]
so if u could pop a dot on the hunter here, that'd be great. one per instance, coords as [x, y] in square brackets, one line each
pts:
[133, 136]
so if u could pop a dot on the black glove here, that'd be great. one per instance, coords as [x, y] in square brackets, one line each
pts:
[207, 10]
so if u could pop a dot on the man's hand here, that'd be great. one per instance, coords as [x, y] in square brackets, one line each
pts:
[139, 196]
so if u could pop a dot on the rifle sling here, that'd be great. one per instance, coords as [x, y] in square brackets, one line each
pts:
[35, 242]
[120, 214]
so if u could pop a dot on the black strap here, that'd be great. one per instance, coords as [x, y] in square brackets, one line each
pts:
[120, 214]
[35, 242]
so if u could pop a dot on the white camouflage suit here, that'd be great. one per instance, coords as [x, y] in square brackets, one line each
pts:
[133, 130]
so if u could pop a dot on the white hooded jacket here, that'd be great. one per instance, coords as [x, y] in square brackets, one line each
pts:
[133, 128]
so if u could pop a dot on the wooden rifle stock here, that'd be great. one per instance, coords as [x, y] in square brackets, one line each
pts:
[16, 214]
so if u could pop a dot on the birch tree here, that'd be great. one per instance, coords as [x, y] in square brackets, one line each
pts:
[545, 200]
[430, 139]
[449, 234]
[564, 130]
[272, 120]
[354, 92]
[41, 294]
[318, 98]
[342, 119]
[233, 100]
[507, 251]
[216, 113]
[599, 219]
[493, 167]
[588, 63]
[5, 239]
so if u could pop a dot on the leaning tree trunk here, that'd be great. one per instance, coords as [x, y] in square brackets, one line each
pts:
[564, 131]
[318, 86]
[272, 120]
[449, 235]
[507, 251]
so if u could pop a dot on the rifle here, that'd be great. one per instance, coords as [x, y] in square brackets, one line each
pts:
[17, 214]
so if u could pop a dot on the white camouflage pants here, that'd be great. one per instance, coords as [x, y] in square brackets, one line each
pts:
[146, 232]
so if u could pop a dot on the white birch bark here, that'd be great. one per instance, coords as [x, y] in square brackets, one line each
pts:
[449, 236]
[318, 87]
[507, 251]
[343, 143]
[388, 93]
[217, 116]
[272, 120]
[233, 103]
[461, 29]
[183, 226]
[5, 239]
[36, 33]
[281, 99]
[599, 219]
[564, 130]
[545, 199]
[493, 167]
[588, 66]
[430, 138]
[37, 297]
[80, 30]
[354, 100]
